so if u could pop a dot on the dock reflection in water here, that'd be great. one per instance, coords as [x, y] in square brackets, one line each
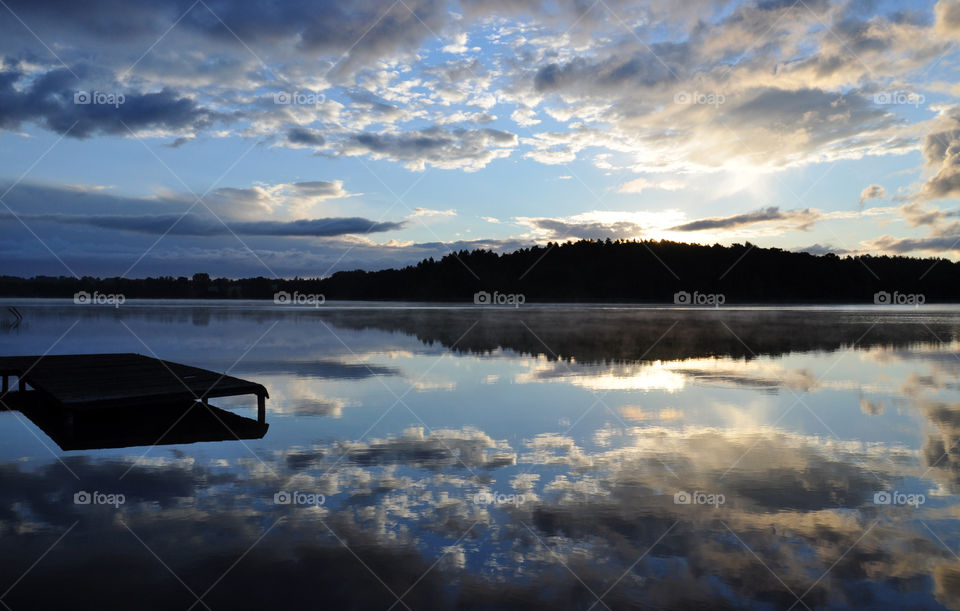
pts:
[536, 457]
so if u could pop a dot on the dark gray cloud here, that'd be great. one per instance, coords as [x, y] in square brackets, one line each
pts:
[193, 225]
[939, 244]
[613, 74]
[54, 100]
[792, 109]
[114, 239]
[178, 142]
[302, 135]
[803, 219]
[470, 149]
[363, 30]
[373, 106]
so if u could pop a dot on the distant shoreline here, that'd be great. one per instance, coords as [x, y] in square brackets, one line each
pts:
[467, 304]
[586, 271]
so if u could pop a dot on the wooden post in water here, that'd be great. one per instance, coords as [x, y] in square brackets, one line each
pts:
[21, 384]
[6, 384]
[261, 409]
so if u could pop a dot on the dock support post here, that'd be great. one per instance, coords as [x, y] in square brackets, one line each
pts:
[261, 409]
[6, 384]
[21, 384]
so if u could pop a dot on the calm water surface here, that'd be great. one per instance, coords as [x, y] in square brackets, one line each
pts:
[532, 457]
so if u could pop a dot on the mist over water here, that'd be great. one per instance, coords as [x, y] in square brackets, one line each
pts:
[533, 456]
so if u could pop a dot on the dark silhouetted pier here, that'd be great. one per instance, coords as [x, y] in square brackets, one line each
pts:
[80, 383]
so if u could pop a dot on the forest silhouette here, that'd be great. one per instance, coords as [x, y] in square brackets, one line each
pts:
[585, 271]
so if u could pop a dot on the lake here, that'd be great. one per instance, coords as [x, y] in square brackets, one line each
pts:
[426, 456]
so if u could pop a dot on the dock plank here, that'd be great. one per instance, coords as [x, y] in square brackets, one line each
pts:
[95, 381]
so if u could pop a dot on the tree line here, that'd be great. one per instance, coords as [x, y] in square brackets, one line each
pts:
[585, 270]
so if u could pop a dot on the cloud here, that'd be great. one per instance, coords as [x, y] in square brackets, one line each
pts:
[195, 225]
[123, 228]
[567, 230]
[638, 185]
[358, 33]
[872, 192]
[872, 408]
[917, 215]
[941, 150]
[302, 135]
[669, 224]
[180, 141]
[944, 235]
[430, 212]
[823, 249]
[434, 450]
[524, 117]
[687, 105]
[321, 189]
[611, 74]
[947, 17]
[943, 244]
[88, 188]
[48, 99]
[600, 225]
[465, 149]
[800, 219]
[459, 44]
[278, 200]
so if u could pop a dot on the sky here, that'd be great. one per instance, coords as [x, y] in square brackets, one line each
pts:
[237, 138]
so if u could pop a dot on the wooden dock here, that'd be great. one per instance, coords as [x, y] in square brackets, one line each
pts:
[89, 382]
